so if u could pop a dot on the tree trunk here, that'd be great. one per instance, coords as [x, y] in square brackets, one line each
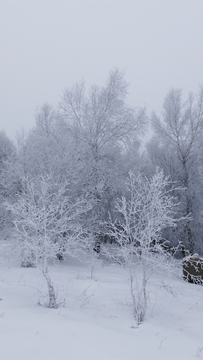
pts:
[52, 295]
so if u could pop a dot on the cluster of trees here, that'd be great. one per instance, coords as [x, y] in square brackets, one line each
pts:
[89, 143]
[63, 185]
[177, 147]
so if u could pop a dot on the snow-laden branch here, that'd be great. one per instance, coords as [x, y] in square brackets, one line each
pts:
[148, 208]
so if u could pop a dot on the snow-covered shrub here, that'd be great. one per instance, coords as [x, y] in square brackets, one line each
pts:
[193, 269]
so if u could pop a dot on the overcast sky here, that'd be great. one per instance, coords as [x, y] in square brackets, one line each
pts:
[47, 45]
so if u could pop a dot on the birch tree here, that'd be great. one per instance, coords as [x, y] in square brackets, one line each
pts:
[177, 148]
[148, 208]
[101, 123]
[47, 223]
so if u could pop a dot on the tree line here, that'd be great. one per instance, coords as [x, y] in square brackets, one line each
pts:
[91, 142]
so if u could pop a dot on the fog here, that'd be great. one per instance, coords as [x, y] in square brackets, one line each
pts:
[48, 45]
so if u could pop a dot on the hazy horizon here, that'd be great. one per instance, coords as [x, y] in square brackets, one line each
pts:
[48, 45]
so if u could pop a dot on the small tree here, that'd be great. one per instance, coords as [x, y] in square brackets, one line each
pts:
[47, 224]
[148, 208]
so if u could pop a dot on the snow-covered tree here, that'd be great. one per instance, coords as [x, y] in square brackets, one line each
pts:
[177, 148]
[102, 124]
[47, 225]
[9, 182]
[148, 208]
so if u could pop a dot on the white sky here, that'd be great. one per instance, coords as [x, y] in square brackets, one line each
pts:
[47, 45]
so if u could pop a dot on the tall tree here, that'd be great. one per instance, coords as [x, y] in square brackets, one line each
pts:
[176, 148]
[101, 123]
[9, 182]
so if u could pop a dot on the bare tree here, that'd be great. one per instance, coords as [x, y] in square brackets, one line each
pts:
[9, 182]
[177, 147]
[101, 123]
[47, 224]
[148, 208]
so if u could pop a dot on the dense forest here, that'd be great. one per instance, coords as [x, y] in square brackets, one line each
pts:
[64, 179]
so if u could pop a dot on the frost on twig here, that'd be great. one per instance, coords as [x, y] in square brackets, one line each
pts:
[47, 224]
[148, 208]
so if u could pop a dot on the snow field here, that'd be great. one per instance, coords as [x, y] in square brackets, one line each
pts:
[94, 318]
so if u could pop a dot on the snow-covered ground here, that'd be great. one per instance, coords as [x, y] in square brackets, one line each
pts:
[94, 319]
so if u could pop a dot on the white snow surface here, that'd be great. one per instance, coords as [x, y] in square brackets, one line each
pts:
[94, 320]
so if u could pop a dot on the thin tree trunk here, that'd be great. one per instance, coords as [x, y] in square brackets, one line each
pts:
[51, 292]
